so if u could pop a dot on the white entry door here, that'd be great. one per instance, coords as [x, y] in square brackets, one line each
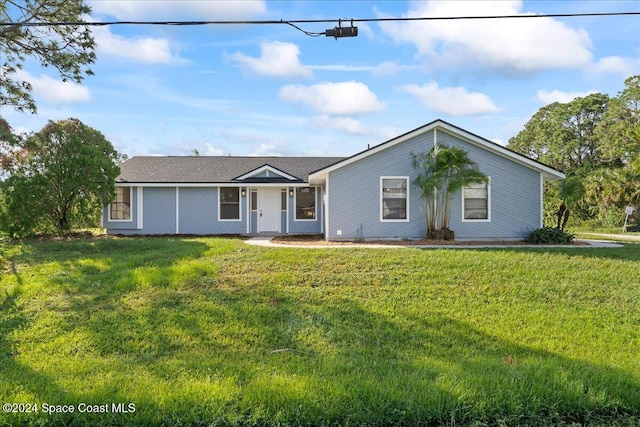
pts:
[268, 210]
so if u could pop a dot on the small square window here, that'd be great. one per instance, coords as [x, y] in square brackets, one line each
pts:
[229, 203]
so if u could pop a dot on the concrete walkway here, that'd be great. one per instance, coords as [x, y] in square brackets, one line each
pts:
[267, 242]
[632, 237]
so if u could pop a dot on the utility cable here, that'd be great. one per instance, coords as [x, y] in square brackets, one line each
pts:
[294, 22]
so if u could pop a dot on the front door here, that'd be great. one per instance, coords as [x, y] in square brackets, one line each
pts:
[268, 210]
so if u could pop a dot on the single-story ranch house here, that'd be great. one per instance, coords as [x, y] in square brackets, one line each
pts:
[369, 195]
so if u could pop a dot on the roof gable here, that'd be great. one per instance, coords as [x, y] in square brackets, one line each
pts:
[266, 173]
[548, 172]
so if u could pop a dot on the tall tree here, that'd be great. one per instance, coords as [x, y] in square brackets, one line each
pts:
[564, 135]
[593, 139]
[444, 171]
[620, 126]
[67, 176]
[24, 34]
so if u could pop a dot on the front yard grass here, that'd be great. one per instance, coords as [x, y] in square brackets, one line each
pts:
[210, 331]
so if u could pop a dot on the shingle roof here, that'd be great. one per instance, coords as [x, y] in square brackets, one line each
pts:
[213, 169]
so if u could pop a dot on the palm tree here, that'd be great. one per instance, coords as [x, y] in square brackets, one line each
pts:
[458, 172]
[571, 190]
[444, 172]
[427, 181]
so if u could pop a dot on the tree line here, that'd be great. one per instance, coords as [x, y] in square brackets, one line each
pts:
[595, 140]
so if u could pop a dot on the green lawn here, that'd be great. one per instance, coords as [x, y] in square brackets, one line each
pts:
[210, 331]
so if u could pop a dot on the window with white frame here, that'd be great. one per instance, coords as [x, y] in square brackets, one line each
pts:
[229, 203]
[475, 202]
[120, 209]
[306, 203]
[394, 198]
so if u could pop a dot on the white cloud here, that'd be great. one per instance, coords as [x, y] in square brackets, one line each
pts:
[344, 98]
[266, 149]
[277, 59]
[343, 68]
[178, 9]
[521, 45]
[142, 49]
[549, 97]
[387, 68]
[55, 90]
[384, 68]
[454, 101]
[344, 124]
[623, 66]
[211, 150]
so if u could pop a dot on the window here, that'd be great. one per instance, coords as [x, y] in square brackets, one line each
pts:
[394, 198]
[305, 203]
[120, 209]
[475, 202]
[254, 200]
[229, 203]
[283, 199]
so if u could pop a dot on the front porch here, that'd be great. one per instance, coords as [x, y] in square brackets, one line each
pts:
[277, 210]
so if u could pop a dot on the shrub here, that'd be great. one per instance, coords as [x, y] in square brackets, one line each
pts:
[550, 235]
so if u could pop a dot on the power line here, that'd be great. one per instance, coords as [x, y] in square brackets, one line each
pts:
[294, 22]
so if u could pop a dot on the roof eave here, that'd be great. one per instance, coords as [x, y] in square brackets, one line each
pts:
[211, 184]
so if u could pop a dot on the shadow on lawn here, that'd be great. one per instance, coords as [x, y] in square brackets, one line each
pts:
[391, 369]
[15, 376]
[286, 353]
[90, 280]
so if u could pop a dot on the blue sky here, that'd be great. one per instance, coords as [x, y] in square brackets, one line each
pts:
[271, 90]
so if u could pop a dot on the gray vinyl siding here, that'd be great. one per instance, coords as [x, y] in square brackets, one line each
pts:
[354, 195]
[159, 210]
[283, 222]
[198, 210]
[515, 197]
[197, 213]
[158, 213]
